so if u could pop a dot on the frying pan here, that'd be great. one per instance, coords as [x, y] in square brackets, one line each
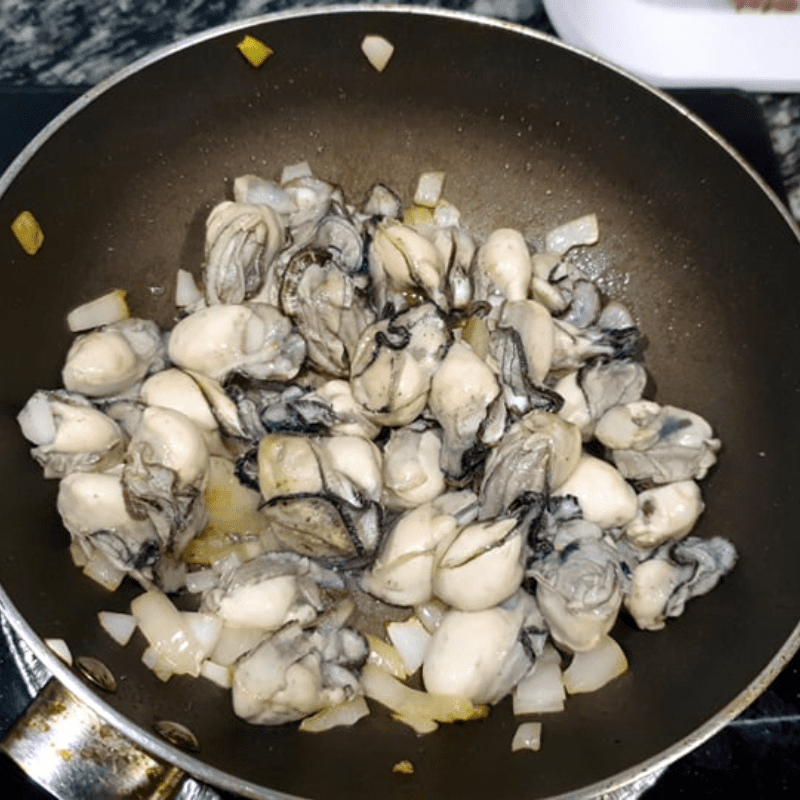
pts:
[530, 133]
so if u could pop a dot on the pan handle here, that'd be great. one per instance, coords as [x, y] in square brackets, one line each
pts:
[64, 745]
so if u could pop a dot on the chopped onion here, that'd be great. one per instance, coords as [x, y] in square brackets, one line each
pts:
[583, 230]
[541, 691]
[104, 310]
[119, 627]
[430, 614]
[386, 656]
[377, 50]
[206, 628]
[429, 189]
[153, 661]
[168, 633]
[78, 554]
[216, 673]
[292, 172]
[102, 571]
[411, 704]
[201, 580]
[342, 715]
[420, 725]
[405, 767]
[186, 291]
[254, 50]
[234, 642]
[527, 737]
[61, 649]
[593, 669]
[411, 640]
[28, 232]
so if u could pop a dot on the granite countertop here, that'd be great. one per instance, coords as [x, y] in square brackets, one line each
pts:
[77, 43]
[52, 45]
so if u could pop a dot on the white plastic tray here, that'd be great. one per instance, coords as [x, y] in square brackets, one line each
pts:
[688, 43]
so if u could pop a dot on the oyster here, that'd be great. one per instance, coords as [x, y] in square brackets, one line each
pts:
[242, 239]
[253, 339]
[661, 444]
[70, 434]
[113, 359]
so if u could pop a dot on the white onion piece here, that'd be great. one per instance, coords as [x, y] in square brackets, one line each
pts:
[583, 230]
[206, 628]
[541, 691]
[386, 656]
[119, 627]
[187, 293]
[102, 571]
[201, 580]
[235, 642]
[411, 640]
[153, 661]
[168, 633]
[429, 189]
[291, 172]
[342, 715]
[216, 673]
[61, 649]
[377, 50]
[528, 736]
[593, 669]
[101, 311]
[78, 554]
[411, 704]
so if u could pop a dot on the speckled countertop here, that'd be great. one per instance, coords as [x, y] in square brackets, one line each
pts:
[53, 43]
[59, 44]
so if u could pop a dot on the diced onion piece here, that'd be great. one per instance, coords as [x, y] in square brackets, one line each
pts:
[541, 691]
[446, 215]
[216, 673]
[28, 232]
[411, 640]
[528, 736]
[187, 292]
[153, 661]
[377, 50]
[342, 715]
[385, 656]
[200, 580]
[234, 642]
[593, 669]
[410, 703]
[168, 633]
[254, 50]
[292, 172]
[417, 216]
[119, 627]
[104, 310]
[430, 614]
[583, 230]
[206, 628]
[405, 767]
[78, 554]
[429, 189]
[102, 571]
[420, 725]
[61, 649]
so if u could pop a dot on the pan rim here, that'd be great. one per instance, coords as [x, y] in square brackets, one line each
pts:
[194, 766]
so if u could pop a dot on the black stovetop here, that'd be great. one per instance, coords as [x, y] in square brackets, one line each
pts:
[757, 755]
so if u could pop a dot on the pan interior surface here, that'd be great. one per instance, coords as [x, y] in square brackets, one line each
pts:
[529, 134]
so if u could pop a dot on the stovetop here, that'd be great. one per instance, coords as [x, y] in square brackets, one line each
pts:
[755, 756]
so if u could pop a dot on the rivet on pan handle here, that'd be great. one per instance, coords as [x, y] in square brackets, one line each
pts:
[69, 750]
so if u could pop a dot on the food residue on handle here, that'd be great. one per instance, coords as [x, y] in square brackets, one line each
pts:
[28, 232]
[254, 50]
